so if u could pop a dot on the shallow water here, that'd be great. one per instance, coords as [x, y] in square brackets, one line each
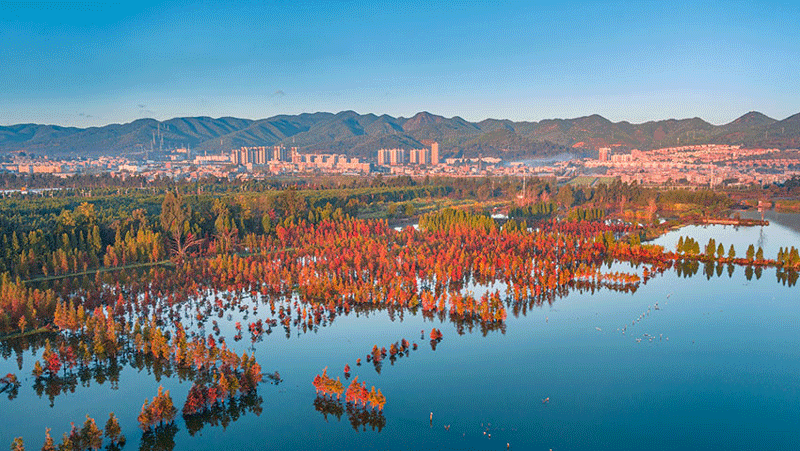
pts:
[715, 366]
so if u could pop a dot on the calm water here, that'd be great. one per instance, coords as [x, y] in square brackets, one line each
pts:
[716, 366]
[783, 231]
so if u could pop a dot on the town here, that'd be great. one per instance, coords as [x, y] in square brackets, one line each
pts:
[709, 165]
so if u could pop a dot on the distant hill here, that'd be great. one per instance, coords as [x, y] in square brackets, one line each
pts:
[362, 134]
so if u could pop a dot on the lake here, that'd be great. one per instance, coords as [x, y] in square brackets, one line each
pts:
[681, 362]
[783, 231]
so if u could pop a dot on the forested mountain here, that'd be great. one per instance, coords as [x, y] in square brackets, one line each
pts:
[362, 134]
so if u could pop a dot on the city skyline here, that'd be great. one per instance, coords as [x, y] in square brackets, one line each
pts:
[90, 64]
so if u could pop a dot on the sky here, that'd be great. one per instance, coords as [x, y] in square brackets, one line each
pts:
[94, 63]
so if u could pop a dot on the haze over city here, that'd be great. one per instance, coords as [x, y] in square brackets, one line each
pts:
[89, 63]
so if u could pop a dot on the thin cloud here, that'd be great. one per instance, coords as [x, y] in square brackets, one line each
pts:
[278, 93]
[84, 115]
[143, 109]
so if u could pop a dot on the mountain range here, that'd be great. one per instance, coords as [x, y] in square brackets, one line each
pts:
[362, 134]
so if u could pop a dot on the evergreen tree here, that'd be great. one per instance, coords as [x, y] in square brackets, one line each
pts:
[751, 251]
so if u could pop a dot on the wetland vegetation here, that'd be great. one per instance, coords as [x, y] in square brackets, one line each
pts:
[208, 309]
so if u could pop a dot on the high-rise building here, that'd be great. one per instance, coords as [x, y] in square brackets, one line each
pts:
[383, 157]
[397, 157]
[279, 154]
[414, 156]
[393, 157]
[259, 155]
[434, 160]
[603, 153]
[249, 155]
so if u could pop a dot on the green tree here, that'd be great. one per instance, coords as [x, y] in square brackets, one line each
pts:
[751, 252]
[173, 214]
[711, 248]
[731, 252]
[565, 196]
[760, 254]
[226, 232]
[291, 202]
[175, 222]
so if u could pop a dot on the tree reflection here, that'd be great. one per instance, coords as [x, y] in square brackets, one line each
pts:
[328, 405]
[224, 413]
[359, 417]
[159, 438]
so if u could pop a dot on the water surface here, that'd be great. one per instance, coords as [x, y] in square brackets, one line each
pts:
[703, 363]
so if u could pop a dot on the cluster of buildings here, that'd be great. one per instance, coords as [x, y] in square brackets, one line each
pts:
[708, 164]
[44, 165]
[401, 157]
[261, 155]
[279, 160]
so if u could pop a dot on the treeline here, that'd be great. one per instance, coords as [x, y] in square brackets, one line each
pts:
[450, 219]
[544, 200]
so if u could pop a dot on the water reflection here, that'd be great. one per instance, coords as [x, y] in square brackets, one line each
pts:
[223, 413]
[85, 358]
[85, 366]
[359, 417]
[160, 438]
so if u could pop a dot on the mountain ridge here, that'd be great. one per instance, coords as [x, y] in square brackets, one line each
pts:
[361, 134]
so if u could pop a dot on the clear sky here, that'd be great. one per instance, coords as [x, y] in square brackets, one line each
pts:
[94, 63]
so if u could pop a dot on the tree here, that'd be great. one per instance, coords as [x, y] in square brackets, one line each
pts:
[173, 214]
[731, 252]
[48, 441]
[565, 196]
[17, 444]
[711, 248]
[751, 251]
[37, 369]
[291, 202]
[224, 227]
[760, 254]
[113, 430]
[161, 410]
[266, 224]
[91, 435]
[174, 221]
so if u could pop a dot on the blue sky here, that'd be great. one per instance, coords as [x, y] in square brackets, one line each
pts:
[94, 63]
